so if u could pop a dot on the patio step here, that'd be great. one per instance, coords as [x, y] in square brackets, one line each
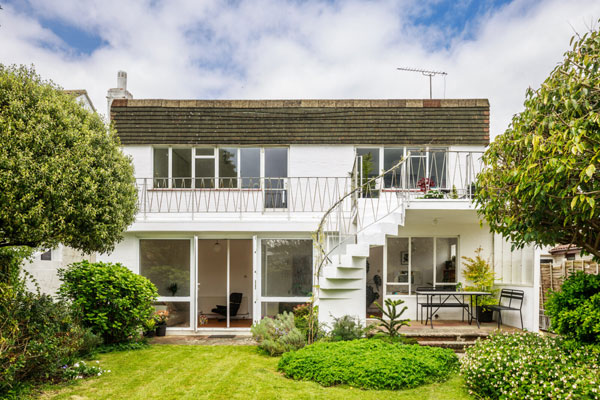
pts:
[457, 345]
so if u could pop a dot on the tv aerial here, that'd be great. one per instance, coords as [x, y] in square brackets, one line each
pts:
[430, 74]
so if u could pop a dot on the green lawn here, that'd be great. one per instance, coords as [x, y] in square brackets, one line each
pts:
[217, 372]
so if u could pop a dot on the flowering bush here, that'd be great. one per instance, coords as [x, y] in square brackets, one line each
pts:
[80, 370]
[278, 335]
[530, 366]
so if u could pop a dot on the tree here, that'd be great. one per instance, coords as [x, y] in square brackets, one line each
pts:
[63, 177]
[540, 183]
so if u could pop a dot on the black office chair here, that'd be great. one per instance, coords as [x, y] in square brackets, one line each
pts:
[235, 299]
[510, 295]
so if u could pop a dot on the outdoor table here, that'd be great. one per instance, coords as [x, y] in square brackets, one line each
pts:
[448, 294]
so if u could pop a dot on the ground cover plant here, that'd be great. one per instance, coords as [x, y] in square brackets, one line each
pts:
[574, 310]
[174, 372]
[530, 366]
[369, 364]
[114, 302]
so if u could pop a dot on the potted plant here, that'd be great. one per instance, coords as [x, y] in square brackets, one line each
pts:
[161, 318]
[150, 328]
[479, 273]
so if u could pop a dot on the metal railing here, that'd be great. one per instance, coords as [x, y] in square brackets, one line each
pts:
[427, 174]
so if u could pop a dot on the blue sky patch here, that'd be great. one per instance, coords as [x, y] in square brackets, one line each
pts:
[80, 41]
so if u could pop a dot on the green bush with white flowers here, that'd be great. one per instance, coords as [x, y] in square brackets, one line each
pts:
[530, 366]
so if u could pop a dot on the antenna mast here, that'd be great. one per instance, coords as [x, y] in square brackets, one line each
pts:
[430, 74]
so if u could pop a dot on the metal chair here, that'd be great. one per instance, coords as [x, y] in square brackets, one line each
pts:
[509, 295]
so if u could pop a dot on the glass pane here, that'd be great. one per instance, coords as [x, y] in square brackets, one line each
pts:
[397, 260]
[275, 167]
[167, 264]
[205, 151]
[417, 168]
[271, 309]
[276, 162]
[286, 267]
[161, 168]
[228, 165]
[370, 161]
[205, 172]
[421, 260]
[397, 289]
[250, 167]
[179, 313]
[445, 260]
[182, 168]
[437, 167]
[390, 158]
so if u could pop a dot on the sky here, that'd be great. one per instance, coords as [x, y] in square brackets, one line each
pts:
[292, 49]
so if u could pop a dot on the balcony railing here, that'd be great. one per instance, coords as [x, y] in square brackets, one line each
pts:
[428, 175]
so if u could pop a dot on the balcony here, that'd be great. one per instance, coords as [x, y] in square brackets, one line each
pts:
[427, 175]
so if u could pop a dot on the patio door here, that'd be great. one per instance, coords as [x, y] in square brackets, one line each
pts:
[224, 283]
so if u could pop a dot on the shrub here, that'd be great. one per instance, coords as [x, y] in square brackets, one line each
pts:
[37, 337]
[369, 364]
[114, 302]
[346, 328]
[302, 321]
[278, 335]
[530, 366]
[574, 311]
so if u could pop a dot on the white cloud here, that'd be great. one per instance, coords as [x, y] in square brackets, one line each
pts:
[276, 49]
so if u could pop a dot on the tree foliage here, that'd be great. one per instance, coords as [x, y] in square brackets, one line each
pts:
[541, 182]
[63, 178]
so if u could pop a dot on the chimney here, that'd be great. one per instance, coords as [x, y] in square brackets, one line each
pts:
[120, 92]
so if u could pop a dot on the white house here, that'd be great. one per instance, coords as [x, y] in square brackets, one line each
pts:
[231, 194]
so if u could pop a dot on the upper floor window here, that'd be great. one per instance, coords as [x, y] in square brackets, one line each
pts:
[426, 166]
[226, 167]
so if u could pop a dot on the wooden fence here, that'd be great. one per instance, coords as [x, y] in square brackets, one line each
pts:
[552, 278]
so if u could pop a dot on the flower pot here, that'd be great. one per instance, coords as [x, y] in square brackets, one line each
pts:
[485, 314]
[150, 334]
[161, 330]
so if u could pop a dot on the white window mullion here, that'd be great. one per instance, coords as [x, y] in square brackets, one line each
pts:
[410, 265]
[434, 269]
[170, 166]
[216, 167]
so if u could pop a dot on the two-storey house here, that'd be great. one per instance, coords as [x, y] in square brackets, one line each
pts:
[231, 194]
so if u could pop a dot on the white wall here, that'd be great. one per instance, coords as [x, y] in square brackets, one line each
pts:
[321, 160]
[45, 271]
[142, 160]
[126, 252]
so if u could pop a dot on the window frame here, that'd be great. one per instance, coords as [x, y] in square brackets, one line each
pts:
[216, 161]
[409, 284]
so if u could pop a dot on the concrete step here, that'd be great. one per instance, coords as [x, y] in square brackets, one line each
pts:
[385, 227]
[457, 346]
[340, 284]
[331, 271]
[372, 238]
[358, 250]
[348, 261]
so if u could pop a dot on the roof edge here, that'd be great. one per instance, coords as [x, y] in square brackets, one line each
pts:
[333, 103]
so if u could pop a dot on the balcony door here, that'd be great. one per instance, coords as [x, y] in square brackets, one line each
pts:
[276, 172]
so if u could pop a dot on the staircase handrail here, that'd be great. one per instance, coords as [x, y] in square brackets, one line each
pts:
[323, 255]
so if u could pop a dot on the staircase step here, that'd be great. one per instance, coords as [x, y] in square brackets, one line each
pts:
[387, 228]
[358, 250]
[347, 261]
[332, 271]
[340, 284]
[372, 238]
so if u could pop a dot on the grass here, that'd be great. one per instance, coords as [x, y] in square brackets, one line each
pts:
[217, 372]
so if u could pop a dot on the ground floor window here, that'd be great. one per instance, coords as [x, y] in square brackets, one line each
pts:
[286, 267]
[414, 262]
[166, 262]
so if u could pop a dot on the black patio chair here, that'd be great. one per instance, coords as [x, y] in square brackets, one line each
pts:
[509, 295]
[235, 299]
